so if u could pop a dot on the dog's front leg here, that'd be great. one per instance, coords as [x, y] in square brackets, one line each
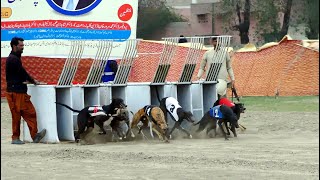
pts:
[120, 133]
[170, 132]
[233, 129]
[132, 134]
[158, 133]
[162, 137]
[144, 125]
[221, 127]
[184, 130]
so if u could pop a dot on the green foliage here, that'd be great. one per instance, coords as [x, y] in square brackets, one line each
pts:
[229, 18]
[312, 13]
[266, 13]
[153, 18]
[307, 15]
[268, 24]
[282, 104]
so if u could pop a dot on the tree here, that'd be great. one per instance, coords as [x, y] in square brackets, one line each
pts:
[268, 18]
[154, 15]
[243, 24]
[266, 13]
[312, 18]
[286, 19]
[304, 16]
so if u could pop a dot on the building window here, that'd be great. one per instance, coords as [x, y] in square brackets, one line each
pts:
[202, 18]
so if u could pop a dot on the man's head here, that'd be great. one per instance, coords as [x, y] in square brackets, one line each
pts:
[17, 45]
[213, 41]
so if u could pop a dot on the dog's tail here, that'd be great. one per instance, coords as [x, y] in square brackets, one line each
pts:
[68, 107]
[157, 92]
[198, 122]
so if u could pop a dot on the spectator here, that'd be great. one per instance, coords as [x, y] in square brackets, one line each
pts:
[18, 99]
[182, 39]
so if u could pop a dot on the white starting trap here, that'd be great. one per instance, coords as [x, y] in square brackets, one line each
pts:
[60, 122]
[199, 96]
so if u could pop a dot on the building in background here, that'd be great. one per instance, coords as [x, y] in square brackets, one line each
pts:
[205, 17]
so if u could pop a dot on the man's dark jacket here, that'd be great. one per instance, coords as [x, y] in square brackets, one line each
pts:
[16, 74]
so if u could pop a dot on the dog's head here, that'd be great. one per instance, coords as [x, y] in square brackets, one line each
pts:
[118, 103]
[189, 116]
[122, 114]
[238, 109]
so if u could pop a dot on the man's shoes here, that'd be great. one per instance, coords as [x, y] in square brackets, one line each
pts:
[17, 141]
[39, 136]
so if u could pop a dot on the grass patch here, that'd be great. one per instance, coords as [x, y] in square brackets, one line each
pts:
[282, 104]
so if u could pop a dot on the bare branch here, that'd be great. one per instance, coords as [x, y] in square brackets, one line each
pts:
[238, 11]
[286, 18]
[246, 14]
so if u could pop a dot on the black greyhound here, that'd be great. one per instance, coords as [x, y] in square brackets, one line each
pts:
[228, 115]
[178, 114]
[95, 114]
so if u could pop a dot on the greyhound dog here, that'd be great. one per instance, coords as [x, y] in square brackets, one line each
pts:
[95, 114]
[171, 105]
[120, 124]
[221, 114]
[153, 116]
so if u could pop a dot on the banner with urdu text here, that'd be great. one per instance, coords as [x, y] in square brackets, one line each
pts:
[47, 26]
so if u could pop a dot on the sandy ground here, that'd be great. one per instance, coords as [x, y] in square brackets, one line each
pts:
[274, 146]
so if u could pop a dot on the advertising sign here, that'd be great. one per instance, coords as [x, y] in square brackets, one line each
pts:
[48, 26]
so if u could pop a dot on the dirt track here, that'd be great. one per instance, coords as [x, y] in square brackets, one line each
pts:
[267, 150]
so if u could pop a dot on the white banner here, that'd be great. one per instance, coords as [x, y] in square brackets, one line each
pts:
[48, 26]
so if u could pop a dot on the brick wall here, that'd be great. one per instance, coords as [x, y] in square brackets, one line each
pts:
[288, 67]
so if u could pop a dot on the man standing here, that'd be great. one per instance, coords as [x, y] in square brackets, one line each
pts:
[224, 71]
[182, 39]
[17, 97]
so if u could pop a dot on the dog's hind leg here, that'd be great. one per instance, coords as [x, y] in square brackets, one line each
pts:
[209, 129]
[82, 121]
[83, 135]
[202, 126]
[222, 130]
[227, 128]
[135, 120]
[164, 109]
[203, 122]
[212, 126]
